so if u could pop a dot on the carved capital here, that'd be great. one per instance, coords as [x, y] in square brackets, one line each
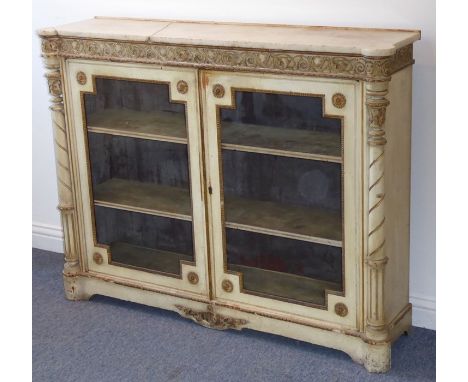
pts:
[50, 46]
[210, 319]
[376, 105]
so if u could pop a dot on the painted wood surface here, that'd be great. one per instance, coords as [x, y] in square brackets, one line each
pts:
[371, 42]
[366, 307]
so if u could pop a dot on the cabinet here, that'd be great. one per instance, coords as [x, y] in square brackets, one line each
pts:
[244, 176]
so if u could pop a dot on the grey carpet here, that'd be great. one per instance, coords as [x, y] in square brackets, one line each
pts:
[109, 340]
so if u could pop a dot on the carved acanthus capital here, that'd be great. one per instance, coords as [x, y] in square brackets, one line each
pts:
[376, 113]
[376, 105]
[210, 319]
[50, 49]
[50, 45]
[55, 83]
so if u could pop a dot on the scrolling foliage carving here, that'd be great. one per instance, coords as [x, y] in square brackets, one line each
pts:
[306, 63]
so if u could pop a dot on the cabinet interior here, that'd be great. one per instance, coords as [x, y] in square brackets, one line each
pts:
[138, 157]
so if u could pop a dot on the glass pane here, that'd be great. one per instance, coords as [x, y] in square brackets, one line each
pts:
[140, 175]
[282, 180]
[290, 125]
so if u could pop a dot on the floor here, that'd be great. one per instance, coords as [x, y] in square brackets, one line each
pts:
[109, 340]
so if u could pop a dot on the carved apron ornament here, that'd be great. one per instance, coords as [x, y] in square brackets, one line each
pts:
[210, 319]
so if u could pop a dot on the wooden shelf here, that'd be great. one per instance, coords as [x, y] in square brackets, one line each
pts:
[284, 286]
[150, 259]
[302, 223]
[157, 125]
[149, 198]
[306, 144]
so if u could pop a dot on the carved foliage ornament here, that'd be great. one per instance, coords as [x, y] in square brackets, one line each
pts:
[210, 319]
[50, 45]
[346, 66]
[376, 120]
[55, 86]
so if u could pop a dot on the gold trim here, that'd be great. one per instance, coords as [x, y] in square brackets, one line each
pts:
[317, 64]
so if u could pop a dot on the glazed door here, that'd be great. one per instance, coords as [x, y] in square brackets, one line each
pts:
[283, 162]
[136, 130]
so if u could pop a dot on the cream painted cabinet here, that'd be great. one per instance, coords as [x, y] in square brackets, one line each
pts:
[244, 176]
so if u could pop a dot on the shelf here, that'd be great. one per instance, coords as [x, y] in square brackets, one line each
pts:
[149, 198]
[305, 144]
[158, 125]
[284, 286]
[301, 223]
[134, 256]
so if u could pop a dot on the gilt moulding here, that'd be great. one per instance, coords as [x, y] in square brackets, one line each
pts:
[211, 57]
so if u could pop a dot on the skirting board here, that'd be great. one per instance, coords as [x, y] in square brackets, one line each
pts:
[47, 237]
[50, 238]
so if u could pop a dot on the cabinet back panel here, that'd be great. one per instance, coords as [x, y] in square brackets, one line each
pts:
[284, 255]
[280, 110]
[148, 242]
[122, 94]
[283, 180]
[143, 160]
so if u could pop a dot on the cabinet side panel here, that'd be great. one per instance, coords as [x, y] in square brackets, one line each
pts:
[397, 193]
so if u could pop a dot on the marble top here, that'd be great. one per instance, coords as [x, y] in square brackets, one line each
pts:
[364, 41]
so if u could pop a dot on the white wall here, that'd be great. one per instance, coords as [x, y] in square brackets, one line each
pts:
[418, 14]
